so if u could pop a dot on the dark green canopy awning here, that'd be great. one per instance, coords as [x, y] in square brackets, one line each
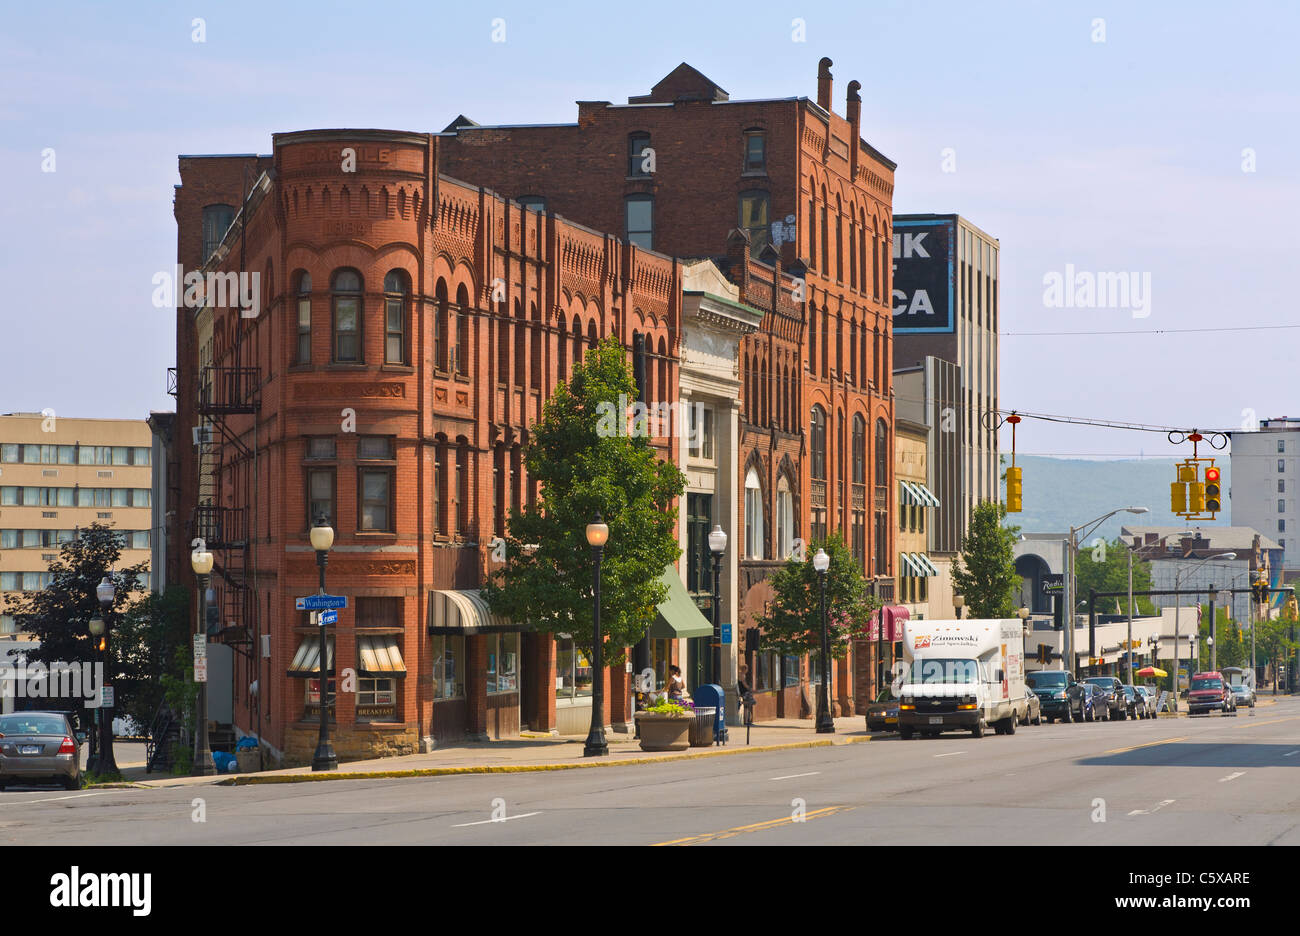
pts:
[678, 616]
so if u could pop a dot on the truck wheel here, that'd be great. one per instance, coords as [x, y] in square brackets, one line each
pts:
[1038, 719]
[978, 730]
[905, 733]
[1010, 725]
[1065, 716]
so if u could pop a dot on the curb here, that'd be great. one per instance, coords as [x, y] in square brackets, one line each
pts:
[248, 779]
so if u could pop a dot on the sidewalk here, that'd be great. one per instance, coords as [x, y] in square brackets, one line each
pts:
[539, 753]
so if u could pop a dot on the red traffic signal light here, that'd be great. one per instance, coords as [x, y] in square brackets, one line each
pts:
[1213, 491]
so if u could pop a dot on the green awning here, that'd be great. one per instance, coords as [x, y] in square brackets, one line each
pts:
[678, 616]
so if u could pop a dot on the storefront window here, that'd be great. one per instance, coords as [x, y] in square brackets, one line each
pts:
[661, 656]
[572, 671]
[376, 700]
[448, 667]
[791, 671]
[503, 663]
[313, 701]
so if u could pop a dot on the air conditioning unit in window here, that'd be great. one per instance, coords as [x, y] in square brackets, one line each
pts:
[202, 435]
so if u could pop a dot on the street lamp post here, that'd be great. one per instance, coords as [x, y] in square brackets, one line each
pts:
[825, 724]
[1071, 577]
[106, 765]
[96, 628]
[717, 546]
[322, 538]
[1134, 549]
[201, 562]
[597, 536]
[959, 602]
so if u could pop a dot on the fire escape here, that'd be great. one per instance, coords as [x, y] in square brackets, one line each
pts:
[226, 392]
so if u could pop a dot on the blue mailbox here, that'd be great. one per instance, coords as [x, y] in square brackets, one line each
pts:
[711, 695]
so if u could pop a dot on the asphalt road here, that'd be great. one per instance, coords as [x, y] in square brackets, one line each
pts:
[1172, 781]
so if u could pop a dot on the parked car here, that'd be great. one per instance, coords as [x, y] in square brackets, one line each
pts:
[1086, 703]
[1135, 702]
[40, 746]
[882, 715]
[1149, 699]
[1210, 692]
[1033, 708]
[1112, 705]
[1243, 694]
[1053, 690]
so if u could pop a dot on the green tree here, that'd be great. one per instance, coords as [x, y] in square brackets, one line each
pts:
[1104, 566]
[59, 615]
[147, 638]
[792, 626]
[985, 572]
[585, 461]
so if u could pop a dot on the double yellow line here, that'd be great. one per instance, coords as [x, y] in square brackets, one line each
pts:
[757, 826]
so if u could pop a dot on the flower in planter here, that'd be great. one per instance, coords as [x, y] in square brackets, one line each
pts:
[671, 709]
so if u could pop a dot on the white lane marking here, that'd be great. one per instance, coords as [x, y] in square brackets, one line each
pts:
[1291, 753]
[1232, 776]
[811, 773]
[950, 754]
[461, 825]
[53, 799]
[1146, 812]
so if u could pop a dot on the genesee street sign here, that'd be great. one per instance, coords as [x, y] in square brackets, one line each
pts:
[320, 602]
[328, 617]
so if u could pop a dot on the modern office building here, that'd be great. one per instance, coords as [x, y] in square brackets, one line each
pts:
[945, 306]
[58, 474]
[1264, 478]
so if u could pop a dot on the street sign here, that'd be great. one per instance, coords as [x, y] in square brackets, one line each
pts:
[200, 647]
[106, 696]
[201, 670]
[327, 617]
[320, 602]
[726, 633]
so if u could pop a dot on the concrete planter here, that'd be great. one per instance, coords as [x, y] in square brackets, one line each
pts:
[664, 732]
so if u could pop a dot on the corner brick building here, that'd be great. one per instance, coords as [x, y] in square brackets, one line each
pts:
[408, 329]
[684, 169]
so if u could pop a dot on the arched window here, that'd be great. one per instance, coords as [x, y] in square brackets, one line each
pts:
[462, 487]
[764, 416]
[637, 143]
[826, 345]
[462, 330]
[875, 356]
[756, 219]
[862, 354]
[784, 519]
[562, 343]
[826, 241]
[665, 391]
[397, 289]
[859, 450]
[577, 341]
[521, 343]
[839, 240]
[440, 325]
[812, 223]
[346, 288]
[498, 489]
[592, 336]
[812, 339]
[639, 227]
[216, 219]
[875, 260]
[882, 511]
[839, 346]
[882, 454]
[441, 492]
[535, 358]
[503, 343]
[303, 355]
[853, 353]
[818, 443]
[753, 516]
[862, 250]
[853, 251]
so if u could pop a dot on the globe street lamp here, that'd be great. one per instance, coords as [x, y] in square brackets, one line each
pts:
[105, 592]
[201, 562]
[959, 602]
[1023, 614]
[597, 536]
[96, 627]
[825, 724]
[717, 546]
[322, 538]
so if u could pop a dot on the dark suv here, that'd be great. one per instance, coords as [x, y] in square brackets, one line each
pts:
[1057, 693]
[1112, 704]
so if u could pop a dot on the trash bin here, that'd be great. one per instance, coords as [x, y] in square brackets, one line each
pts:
[249, 759]
[702, 726]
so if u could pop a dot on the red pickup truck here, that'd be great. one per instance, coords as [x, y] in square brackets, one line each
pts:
[1210, 692]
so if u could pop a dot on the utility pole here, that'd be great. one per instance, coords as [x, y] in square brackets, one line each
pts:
[1128, 647]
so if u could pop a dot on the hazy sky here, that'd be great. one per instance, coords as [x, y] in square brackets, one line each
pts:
[1122, 155]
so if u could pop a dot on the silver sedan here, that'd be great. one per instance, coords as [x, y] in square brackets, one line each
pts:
[39, 746]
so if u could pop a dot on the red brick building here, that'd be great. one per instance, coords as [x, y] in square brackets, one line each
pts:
[678, 170]
[408, 329]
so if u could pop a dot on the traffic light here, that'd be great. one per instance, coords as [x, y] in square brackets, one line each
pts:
[1196, 497]
[1213, 498]
[1013, 490]
[1178, 497]
[1044, 653]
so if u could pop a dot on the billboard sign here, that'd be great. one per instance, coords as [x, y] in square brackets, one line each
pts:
[925, 255]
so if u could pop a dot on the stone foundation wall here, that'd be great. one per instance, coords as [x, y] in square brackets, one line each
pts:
[350, 743]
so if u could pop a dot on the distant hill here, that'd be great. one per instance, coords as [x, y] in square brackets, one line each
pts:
[1064, 492]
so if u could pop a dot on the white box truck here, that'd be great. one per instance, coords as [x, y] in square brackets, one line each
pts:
[962, 675]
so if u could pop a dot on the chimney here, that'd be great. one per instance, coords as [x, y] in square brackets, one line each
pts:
[824, 84]
[853, 110]
[738, 260]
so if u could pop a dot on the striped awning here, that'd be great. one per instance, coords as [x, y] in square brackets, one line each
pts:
[924, 561]
[464, 612]
[306, 662]
[918, 564]
[909, 567]
[916, 494]
[379, 656]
